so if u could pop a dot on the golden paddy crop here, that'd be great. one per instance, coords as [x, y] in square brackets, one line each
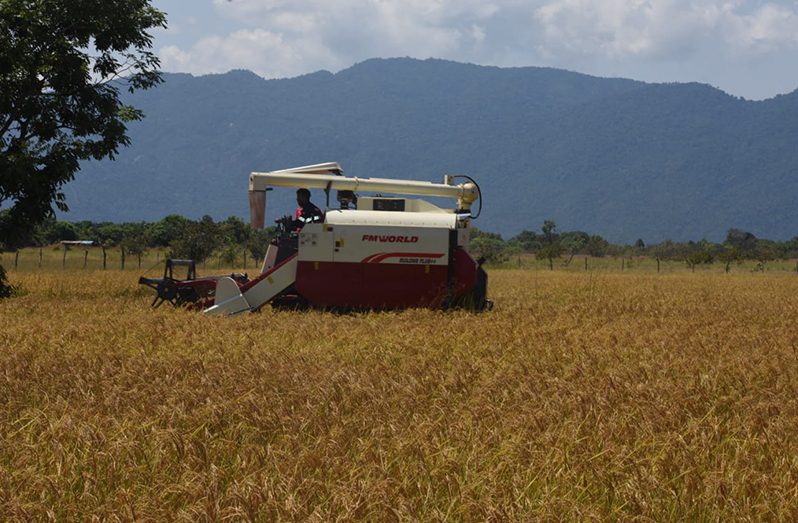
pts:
[580, 396]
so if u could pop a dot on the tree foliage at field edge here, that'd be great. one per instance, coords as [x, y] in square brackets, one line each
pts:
[62, 64]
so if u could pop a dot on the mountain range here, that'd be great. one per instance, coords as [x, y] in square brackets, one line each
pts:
[616, 157]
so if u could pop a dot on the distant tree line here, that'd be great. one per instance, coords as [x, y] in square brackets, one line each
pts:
[229, 239]
[180, 237]
[550, 244]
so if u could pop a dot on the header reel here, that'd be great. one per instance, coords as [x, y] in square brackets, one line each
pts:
[190, 292]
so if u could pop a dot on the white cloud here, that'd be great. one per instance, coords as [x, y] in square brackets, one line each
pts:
[288, 37]
[767, 29]
[264, 52]
[661, 29]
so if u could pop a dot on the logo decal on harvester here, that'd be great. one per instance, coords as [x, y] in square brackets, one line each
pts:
[386, 238]
[414, 258]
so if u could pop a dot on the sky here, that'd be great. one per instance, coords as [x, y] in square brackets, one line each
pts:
[748, 48]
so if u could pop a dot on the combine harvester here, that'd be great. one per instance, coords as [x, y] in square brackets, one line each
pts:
[371, 253]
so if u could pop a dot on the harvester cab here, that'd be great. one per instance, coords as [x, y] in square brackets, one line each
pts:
[373, 252]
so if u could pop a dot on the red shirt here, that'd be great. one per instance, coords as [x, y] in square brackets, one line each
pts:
[307, 214]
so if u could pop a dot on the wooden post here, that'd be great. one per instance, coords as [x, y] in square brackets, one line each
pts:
[16, 259]
[657, 263]
[623, 261]
[122, 250]
[104, 255]
[40, 256]
[85, 257]
[63, 260]
[138, 256]
[157, 257]
[245, 259]
[585, 262]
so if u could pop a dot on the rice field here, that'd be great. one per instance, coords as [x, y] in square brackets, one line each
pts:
[584, 395]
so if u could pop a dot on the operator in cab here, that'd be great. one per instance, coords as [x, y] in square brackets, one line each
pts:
[306, 212]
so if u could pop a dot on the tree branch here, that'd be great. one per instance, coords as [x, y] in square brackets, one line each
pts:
[6, 126]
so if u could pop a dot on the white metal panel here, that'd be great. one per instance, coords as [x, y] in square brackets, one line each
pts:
[318, 168]
[272, 285]
[228, 298]
[463, 237]
[466, 193]
[366, 203]
[391, 245]
[388, 218]
[316, 243]
[270, 258]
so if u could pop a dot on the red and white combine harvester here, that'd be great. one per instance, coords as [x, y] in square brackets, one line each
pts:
[373, 252]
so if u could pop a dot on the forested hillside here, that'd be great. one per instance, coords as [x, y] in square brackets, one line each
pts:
[618, 157]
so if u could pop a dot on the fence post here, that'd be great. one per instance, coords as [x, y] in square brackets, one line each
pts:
[657, 263]
[104, 255]
[623, 261]
[40, 256]
[122, 250]
[585, 262]
[16, 259]
[138, 255]
[85, 257]
[63, 260]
